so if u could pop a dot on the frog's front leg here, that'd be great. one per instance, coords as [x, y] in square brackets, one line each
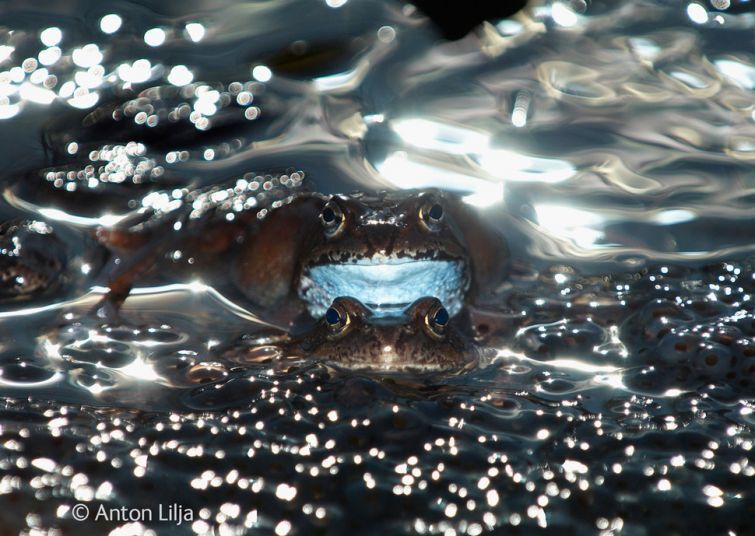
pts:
[133, 254]
[138, 252]
[487, 249]
[269, 261]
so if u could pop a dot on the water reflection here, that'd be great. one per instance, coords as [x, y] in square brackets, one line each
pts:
[410, 172]
[612, 145]
[486, 150]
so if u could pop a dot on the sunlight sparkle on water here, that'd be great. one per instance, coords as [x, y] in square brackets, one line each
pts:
[49, 56]
[563, 15]
[511, 166]
[110, 23]
[51, 36]
[521, 107]
[739, 72]
[67, 89]
[180, 75]
[5, 52]
[610, 160]
[9, 110]
[17, 75]
[341, 81]
[405, 172]
[140, 369]
[87, 56]
[195, 31]
[673, 216]
[697, 13]
[504, 164]
[90, 78]
[577, 225]
[106, 220]
[36, 94]
[645, 48]
[440, 136]
[139, 71]
[83, 100]
[154, 37]
[262, 73]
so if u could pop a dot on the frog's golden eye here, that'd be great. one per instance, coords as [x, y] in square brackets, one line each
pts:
[332, 218]
[431, 214]
[337, 319]
[436, 321]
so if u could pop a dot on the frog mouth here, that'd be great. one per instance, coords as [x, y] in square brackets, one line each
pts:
[386, 285]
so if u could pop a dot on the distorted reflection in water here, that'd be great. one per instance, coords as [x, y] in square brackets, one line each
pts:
[613, 146]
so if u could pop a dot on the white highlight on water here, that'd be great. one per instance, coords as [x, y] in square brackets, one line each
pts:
[51, 36]
[110, 23]
[195, 31]
[154, 37]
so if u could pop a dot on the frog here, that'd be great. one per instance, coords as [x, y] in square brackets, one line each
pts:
[39, 260]
[386, 249]
[32, 258]
[422, 338]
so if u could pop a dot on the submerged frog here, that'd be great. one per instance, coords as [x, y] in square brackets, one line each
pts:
[38, 260]
[386, 250]
[423, 337]
[32, 259]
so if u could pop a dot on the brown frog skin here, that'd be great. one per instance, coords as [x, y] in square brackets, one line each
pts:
[270, 259]
[274, 267]
[349, 335]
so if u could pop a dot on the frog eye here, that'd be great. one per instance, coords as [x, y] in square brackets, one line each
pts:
[332, 218]
[440, 318]
[431, 214]
[436, 321]
[336, 319]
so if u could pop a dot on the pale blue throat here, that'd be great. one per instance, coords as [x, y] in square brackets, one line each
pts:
[387, 287]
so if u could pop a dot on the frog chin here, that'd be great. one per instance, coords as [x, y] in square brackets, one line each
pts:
[387, 288]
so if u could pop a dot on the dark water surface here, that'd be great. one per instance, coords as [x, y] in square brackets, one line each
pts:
[613, 145]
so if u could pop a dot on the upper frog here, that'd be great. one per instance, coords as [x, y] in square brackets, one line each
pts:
[423, 337]
[387, 250]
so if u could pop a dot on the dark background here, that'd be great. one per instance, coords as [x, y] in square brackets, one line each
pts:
[455, 20]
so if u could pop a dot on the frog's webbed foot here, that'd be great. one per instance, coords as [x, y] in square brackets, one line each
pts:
[123, 274]
[108, 309]
[133, 253]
